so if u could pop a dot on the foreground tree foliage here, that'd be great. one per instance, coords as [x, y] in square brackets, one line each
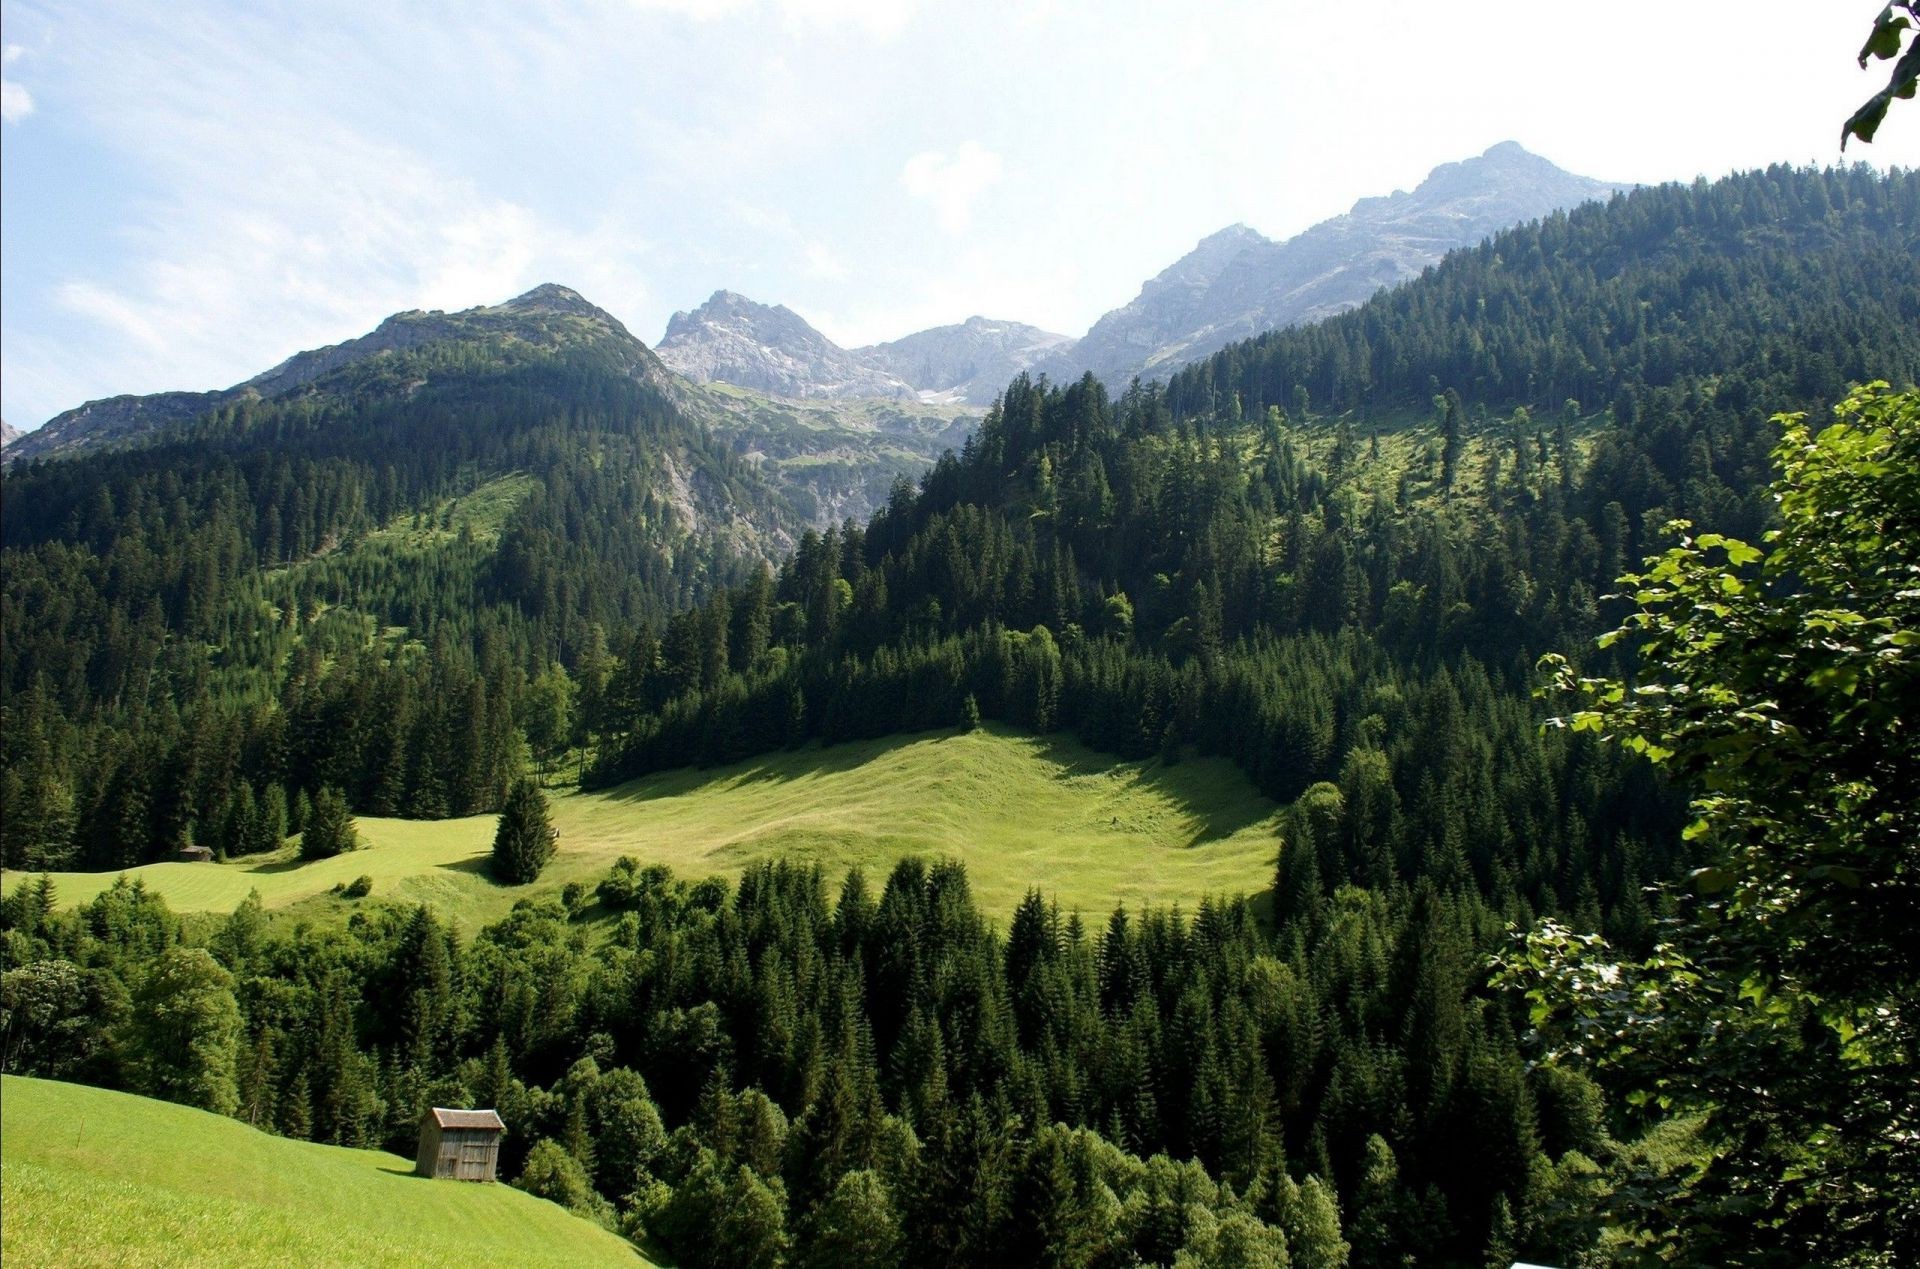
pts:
[1896, 23]
[1782, 685]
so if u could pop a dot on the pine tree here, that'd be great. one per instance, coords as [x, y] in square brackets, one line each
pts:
[329, 829]
[855, 1228]
[524, 841]
[1455, 445]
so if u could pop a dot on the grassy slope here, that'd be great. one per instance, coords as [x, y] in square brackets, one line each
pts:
[1019, 811]
[92, 1177]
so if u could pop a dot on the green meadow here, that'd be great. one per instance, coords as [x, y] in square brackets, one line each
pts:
[91, 1177]
[1019, 811]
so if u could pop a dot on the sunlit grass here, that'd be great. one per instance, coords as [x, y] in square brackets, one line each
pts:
[1019, 811]
[90, 1177]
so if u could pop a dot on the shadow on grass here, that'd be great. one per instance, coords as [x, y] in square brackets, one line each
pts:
[272, 867]
[1209, 790]
[782, 766]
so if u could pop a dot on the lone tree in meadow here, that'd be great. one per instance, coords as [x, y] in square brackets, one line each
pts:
[329, 829]
[523, 843]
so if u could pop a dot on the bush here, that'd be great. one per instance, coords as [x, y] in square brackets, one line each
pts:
[359, 888]
[553, 1174]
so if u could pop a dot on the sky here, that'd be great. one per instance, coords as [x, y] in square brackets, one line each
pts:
[192, 191]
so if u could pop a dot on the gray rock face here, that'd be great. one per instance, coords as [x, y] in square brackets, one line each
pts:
[8, 433]
[547, 315]
[732, 339]
[1238, 283]
[969, 362]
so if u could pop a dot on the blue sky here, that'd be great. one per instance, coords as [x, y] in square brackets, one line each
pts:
[190, 191]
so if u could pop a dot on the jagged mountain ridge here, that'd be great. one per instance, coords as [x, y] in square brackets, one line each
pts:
[1235, 284]
[1238, 283]
[771, 349]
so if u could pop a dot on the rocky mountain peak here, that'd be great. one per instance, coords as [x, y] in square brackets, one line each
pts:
[551, 297]
[768, 348]
[969, 362]
[1236, 283]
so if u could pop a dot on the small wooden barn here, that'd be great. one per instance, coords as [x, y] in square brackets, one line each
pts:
[196, 854]
[462, 1144]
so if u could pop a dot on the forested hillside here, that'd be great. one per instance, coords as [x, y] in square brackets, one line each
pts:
[1330, 555]
[351, 584]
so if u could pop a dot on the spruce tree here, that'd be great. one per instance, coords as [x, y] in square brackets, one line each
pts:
[329, 826]
[523, 843]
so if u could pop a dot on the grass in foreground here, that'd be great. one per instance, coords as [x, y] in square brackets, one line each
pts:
[92, 1177]
[1019, 811]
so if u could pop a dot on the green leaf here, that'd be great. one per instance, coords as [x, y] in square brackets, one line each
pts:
[1711, 880]
[1884, 42]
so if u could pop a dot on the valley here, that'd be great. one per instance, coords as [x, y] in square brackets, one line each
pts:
[1247, 805]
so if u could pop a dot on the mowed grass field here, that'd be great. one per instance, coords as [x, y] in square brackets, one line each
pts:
[91, 1177]
[1019, 811]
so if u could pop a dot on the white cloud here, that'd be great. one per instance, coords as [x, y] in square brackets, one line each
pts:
[952, 185]
[882, 19]
[698, 10]
[229, 273]
[822, 263]
[16, 103]
[974, 281]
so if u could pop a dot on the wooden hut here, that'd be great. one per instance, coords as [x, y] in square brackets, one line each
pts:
[196, 854]
[462, 1144]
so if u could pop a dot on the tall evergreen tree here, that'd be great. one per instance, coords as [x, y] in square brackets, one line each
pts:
[524, 840]
[329, 828]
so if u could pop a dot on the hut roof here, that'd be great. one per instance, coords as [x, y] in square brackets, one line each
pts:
[467, 1118]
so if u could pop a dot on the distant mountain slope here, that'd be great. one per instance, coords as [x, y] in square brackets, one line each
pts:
[8, 433]
[545, 319]
[831, 459]
[769, 348]
[1787, 282]
[1237, 283]
[99, 1177]
[970, 361]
